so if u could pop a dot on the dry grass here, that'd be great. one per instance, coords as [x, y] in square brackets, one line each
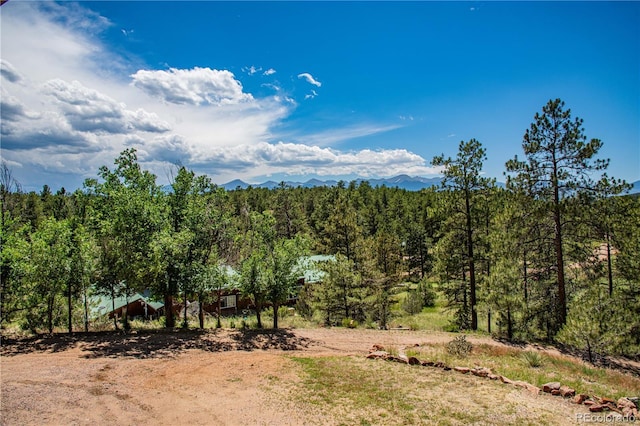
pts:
[353, 390]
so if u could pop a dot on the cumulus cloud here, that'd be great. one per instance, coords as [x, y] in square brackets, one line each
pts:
[197, 86]
[310, 79]
[89, 110]
[9, 72]
[64, 114]
[299, 159]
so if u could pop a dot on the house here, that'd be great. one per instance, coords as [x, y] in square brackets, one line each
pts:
[136, 306]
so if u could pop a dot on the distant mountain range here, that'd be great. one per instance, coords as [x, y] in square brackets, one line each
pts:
[410, 183]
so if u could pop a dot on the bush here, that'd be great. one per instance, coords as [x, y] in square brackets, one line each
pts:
[412, 304]
[427, 293]
[532, 358]
[459, 346]
[349, 323]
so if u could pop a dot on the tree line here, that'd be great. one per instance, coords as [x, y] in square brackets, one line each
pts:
[554, 254]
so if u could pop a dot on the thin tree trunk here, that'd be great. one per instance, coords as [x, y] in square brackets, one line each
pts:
[472, 267]
[609, 271]
[169, 319]
[113, 309]
[70, 307]
[557, 218]
[200, 312]
[275, 315]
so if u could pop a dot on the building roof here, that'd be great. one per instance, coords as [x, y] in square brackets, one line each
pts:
[102, 305]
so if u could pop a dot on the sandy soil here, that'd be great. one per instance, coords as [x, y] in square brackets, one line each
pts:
[223, 377]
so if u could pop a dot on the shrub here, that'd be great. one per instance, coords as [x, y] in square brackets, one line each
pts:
[459, 346]
[349, 323]
[532, 358]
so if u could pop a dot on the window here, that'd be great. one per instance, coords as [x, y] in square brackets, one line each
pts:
[228, 301]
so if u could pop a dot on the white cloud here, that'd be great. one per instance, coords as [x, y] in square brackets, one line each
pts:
[9, 72]
[299, 159]
[197, 86]
[64, 114]
[311, 95]
[310, 79]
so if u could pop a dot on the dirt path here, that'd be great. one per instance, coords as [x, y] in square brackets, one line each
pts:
[213, 378]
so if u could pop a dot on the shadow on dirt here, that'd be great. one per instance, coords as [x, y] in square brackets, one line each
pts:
[155, 344]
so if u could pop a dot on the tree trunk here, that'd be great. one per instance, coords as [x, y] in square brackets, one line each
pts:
[557, 218]
[113, 309]
[258, 316]
[185, 321]
[562, 297]
[609, 271]
[218, 323]
[275, 315]
[200, 312]
[50, 304]
[509, 324]
[472, 267]
[169, 319]
[86, 310]
[70, 307]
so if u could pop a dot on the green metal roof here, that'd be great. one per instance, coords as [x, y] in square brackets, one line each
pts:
[102, 305]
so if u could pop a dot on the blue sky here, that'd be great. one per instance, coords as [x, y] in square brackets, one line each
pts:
[298, 90]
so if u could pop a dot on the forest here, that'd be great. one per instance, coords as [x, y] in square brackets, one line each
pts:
[553, 255]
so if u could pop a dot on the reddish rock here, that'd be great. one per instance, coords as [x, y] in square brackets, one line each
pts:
[627, 407]
[606, 400]
[505, 380]
[463, 370]
[580, 398]
[598, 408]
[567, 392]
[378, 355]
[446, 368]
[481, 372]
[414, 361]
[555, 392]
[528, 386]
[548, 387]
[428, 363]
[493, 377]
[376, 348]
[589, 402]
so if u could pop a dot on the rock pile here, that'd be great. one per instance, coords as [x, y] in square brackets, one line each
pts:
[627, 407]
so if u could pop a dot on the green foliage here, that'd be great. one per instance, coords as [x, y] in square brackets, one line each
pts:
[459, 346]
[533, 359]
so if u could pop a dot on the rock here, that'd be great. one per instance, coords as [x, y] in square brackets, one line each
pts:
[439, 364]
[463, 370]
[505, 380]
[446, 368]
[528, 386]
[598, 408]
[414, 361]
[606, 400]
[555, 392]
[589, 402]
[493, 377]
[580, 398]
[481, 372]
[376, 348]
[403, 358]
[378, 355]
[567, 392]
[548, 387]
[428, 363]
[626, 406]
